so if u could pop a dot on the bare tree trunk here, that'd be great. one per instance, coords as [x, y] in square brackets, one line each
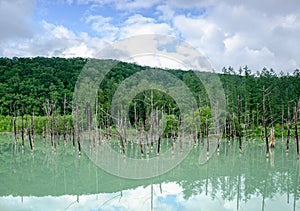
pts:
[158, 145]
[206, 131]
[77, 130]
[265, 124]
[200, 119]
[248, 127]
[29, 134]
[32, 128]
[48, 111]
[229, 130]
[272, 138]
[282, 122]
[73, 136]
[15, 129]
[239, 123]
[178, 134]
[296, 128]
[135, 120]
[65, 122]
[253, 126]
[120, 135]
[193, 125]
[141, 140]
[152, 122]
[22, 129]
[288, 128]
[52, 128]
[125, 128]
[233, 127]
[57, 128]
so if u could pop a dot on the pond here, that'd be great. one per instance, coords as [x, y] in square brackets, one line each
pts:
[230, 180]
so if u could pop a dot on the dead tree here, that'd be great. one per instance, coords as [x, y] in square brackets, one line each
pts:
[32, 128]
[29, 134]
[233, 127]
[65, 122]
[22, 129]
[253, 126]
[265, 122]
[178, 134]
[288, 128]
[73, 135]
[200, 119]
[48, 113]
[296, 128]
[206, 131]
[57, 129]
[119, 133]
[15, 128]
[158, 145]
[141, 140]
[77, 129]
[239, 132]
[52, 127]
[282, 122]
[272, 138]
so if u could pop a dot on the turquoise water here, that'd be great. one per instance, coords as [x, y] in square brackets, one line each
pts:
[230, 180]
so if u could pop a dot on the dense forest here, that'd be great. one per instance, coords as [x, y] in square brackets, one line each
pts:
[255, 99]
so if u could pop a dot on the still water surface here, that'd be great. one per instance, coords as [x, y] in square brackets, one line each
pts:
[230, 180]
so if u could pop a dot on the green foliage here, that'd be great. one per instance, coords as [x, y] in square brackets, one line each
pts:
[31, 82]
[40, 123]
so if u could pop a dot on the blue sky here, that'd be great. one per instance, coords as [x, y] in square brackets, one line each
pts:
[257, 33]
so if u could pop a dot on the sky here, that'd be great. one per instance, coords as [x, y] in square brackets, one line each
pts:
[256, 33]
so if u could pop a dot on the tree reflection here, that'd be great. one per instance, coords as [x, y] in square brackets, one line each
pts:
[229, 175]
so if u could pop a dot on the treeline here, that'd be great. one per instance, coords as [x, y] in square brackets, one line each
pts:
[255, 99]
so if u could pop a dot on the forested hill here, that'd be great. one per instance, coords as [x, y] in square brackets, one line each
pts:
[33, 81]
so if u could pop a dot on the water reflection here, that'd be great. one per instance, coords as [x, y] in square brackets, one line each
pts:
[61, 180]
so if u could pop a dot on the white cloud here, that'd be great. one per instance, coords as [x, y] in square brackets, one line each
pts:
[102, 25]
[190, 3]
[167, 13]
[234, 33]
[54, 40]
[203, 34]
[69, 2]
[231, 33]
[138, 24]
[15, 19]
[124, 5]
